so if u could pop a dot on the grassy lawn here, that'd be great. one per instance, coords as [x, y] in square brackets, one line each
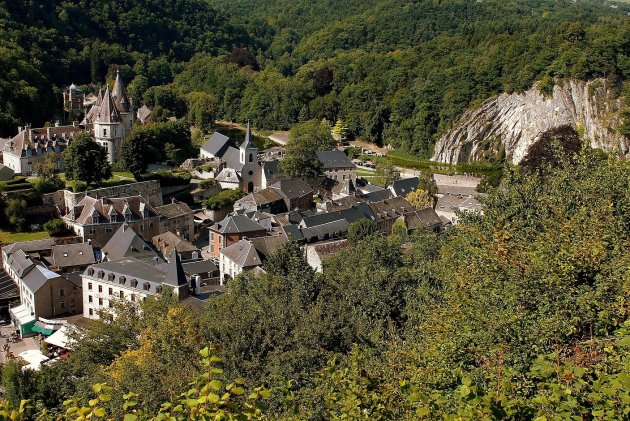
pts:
[8, 237]
[123, 174]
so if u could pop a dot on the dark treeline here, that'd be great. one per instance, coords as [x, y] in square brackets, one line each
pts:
[395, 72]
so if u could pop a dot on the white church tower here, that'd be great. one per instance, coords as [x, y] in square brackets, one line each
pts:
[251, 171]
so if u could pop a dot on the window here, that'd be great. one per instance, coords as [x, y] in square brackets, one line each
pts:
[91, 232]
[150, 224]
[95, 219]
[141, 227]
[146, 286]
[90, 299]
[158, 289]
[251, 158]
[111, 291]
[100, 301]
[91, 312]
[110, 304]
[134, 283]
[133, 297]
[100, 288]
[122, 295]
[90, 286]
[65, 255]
[62, 305]
[195, 255]
[108, 230]
[72, 304]
[104, 132]
[122, 280]
[62, 292]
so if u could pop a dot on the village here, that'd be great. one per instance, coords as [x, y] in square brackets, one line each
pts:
[127, 242]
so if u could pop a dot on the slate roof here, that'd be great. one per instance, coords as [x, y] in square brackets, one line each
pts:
[228, 175]
[334, 160]
[199, 266]
[232, 158]
[266, 246]
[6, 173]
[328, 229]
[292, 188]
[38, 277]
[175, 275]
[405, 186]
[423, 218]
[173, 210]
[235, 224]
[30, 246]
[217, 144]
[34, 142]
[130, 269]
[64, 255]
[391, 208]
[20, 262]
[293, 231]
[260, 198]
[126, 243]
[271, 171]
[243, 254]
[108, 112]
[119, 95]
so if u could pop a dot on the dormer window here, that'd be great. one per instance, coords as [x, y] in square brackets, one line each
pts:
[134, 283]
[122, 280]
[95, 218]
[101, 274]
[146, 286]
[90, 272]
[104, 132]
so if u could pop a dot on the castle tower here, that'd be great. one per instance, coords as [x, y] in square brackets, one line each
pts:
[109, 128]
[123, 103]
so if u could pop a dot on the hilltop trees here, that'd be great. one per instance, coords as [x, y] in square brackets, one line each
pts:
[85, 160]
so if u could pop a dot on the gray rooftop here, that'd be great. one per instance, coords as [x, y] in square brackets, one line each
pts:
[243, 253]
[405, 186]
[126, 243]
[334, 160]
[236, 224]
[217, 144]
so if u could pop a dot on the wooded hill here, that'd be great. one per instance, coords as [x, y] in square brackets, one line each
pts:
[397, 72]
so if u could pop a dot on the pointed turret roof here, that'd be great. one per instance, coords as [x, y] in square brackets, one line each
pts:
[175, 275]
[108, 112]
[120, 95]
[248, 143]
[99, 98]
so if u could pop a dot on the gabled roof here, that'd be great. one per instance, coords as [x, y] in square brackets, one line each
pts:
[64, 255]
[20, 262]
[377, 195]
[423, 218]
[217, 144]
[404, 186]
[173, 210]
[30, 246]
[199, 266]
[126, 243]
[103, 207]
[293, 188]
[175, 275]
[228, 175]
[168, 241]
[248, 142]
[131, 269]
[38, 277]
[334, 160]
[266, 246]
[243, 254]
[391, 208]
[232, 158]
[236, 224]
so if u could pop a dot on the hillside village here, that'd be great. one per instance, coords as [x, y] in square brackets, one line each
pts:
[134, 240]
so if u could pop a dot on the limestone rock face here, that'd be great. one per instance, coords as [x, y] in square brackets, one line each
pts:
[513, 122]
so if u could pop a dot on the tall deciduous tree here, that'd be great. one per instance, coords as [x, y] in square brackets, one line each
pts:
[305, 140]
[85, 160]
[202, 110]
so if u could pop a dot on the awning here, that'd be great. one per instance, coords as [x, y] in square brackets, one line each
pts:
[34, 358]
[21, 314]
[42, 328]
[60, 338]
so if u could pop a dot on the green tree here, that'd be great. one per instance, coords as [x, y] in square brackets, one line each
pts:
[202, 110]
[305, 140]
[420, 199]
[385, 173]
[134, 154]
[46, 167]
[15, 213]
[361, 229]
[85, 160]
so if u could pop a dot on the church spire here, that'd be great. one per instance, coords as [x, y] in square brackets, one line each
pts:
[248, 143]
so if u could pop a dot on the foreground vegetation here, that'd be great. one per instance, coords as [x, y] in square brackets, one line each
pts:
[521, 312]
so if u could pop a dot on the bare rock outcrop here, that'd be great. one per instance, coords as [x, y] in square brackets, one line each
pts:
[511, 123]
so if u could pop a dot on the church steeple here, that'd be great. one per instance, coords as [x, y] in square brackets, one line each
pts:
[249, 151]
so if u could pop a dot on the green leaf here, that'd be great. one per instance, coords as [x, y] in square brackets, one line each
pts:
[130, 417]
[204, 352]
[215, 385]
[99, 412]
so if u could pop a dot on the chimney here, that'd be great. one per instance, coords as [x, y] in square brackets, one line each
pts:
[75, 124]
[57, 123]
[20, 128]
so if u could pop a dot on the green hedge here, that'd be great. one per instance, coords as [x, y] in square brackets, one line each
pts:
[167, 178]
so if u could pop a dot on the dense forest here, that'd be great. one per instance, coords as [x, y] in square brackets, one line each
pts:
[397, 72]
[518, 313]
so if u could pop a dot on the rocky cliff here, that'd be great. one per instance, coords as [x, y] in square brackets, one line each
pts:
[511, 123]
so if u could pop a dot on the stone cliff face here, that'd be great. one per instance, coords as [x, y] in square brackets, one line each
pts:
[513, 122]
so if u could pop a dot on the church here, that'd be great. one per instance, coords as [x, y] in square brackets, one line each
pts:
[111, 117]
[240, 168]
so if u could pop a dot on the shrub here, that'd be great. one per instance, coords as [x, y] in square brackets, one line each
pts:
[56, 227]
[167, 178]
[224, 199]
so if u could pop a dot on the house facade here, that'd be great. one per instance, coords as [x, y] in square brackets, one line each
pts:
[231, 230]
[337, 166]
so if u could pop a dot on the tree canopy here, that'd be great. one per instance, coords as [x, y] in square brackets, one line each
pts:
[85, 160]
